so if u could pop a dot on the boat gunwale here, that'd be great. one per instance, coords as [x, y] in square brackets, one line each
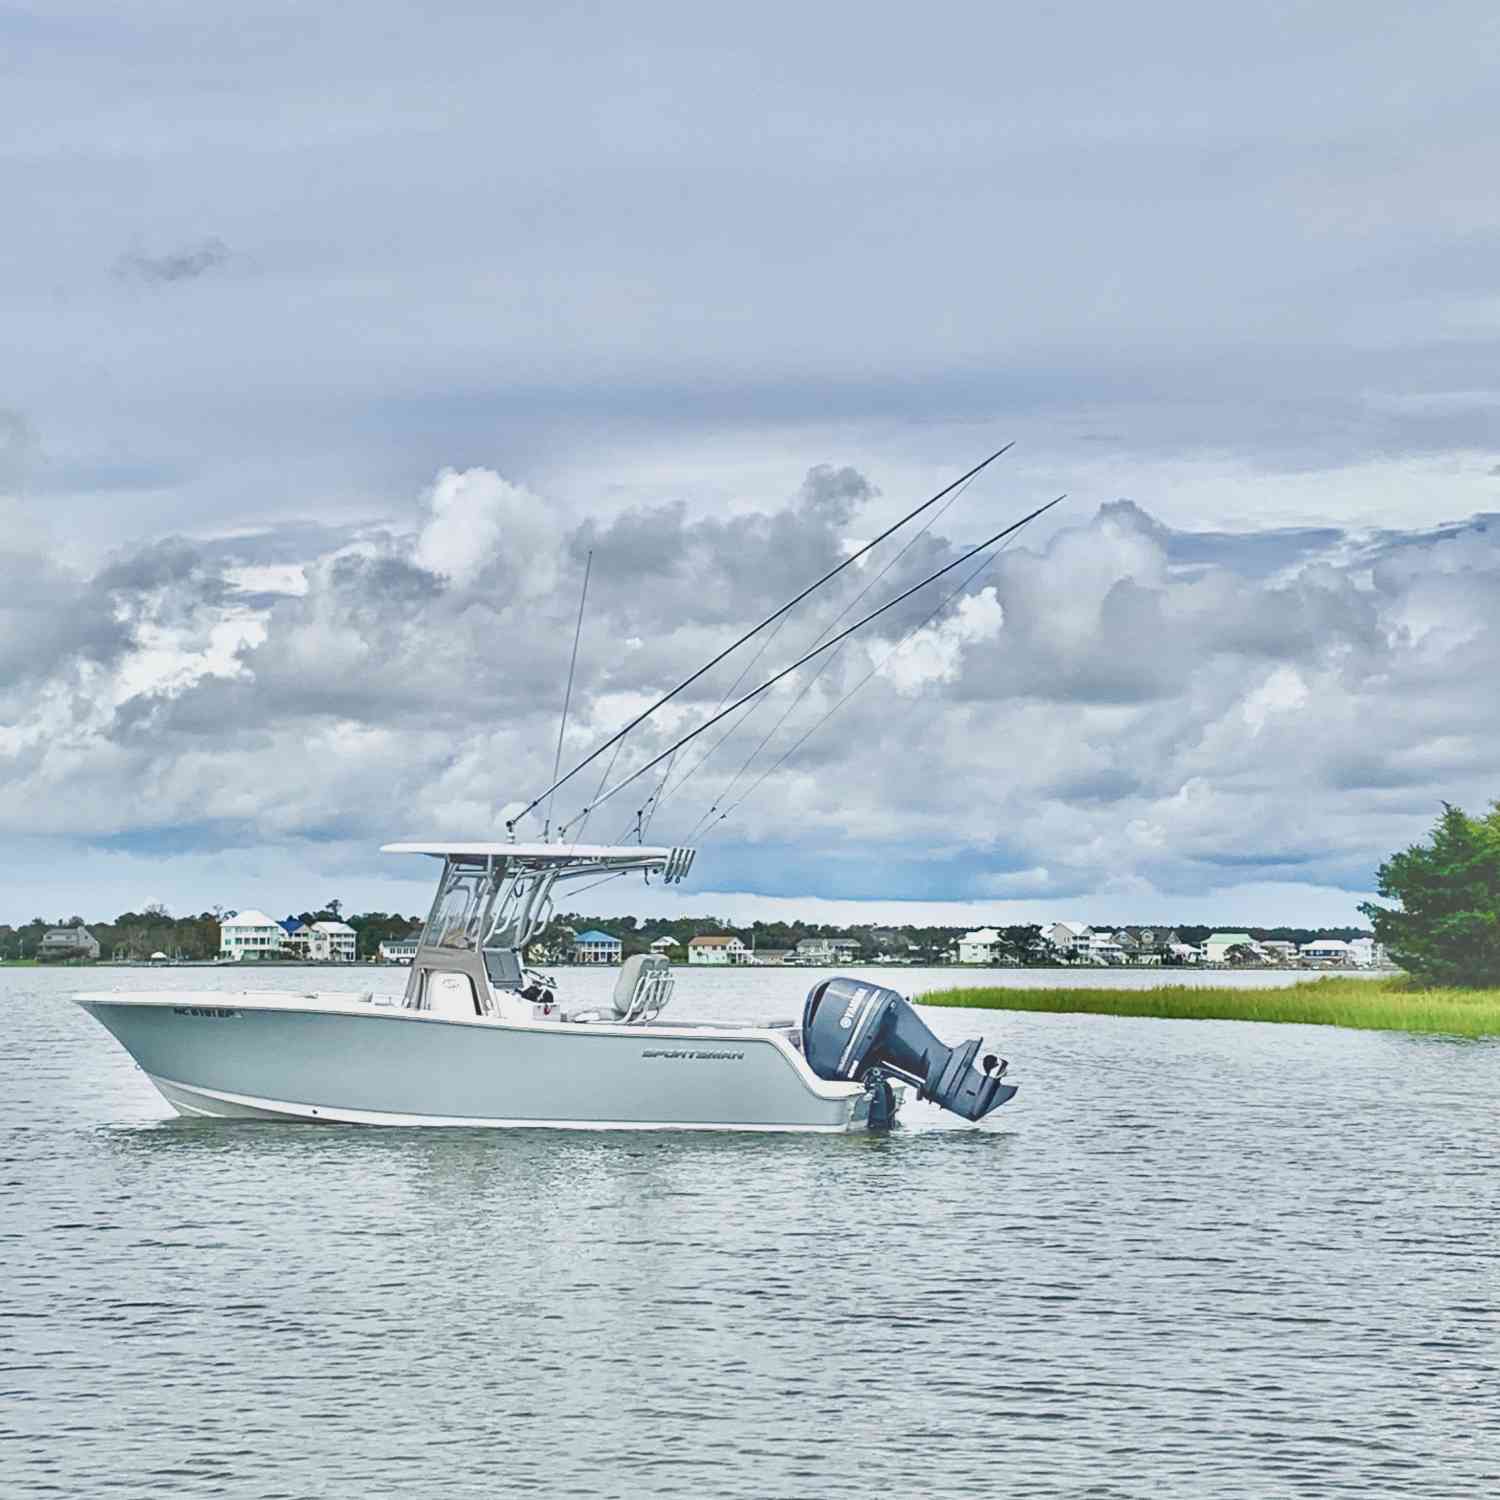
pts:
[364, 1010]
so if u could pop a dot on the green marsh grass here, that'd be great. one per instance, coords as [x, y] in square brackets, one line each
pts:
[1368, 1004]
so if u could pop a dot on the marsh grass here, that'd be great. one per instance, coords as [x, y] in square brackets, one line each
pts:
[1367, 1004]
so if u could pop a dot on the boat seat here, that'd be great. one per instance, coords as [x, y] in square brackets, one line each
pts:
[641, 992]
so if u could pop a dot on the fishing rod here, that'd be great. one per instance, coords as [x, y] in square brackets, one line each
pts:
[964, 583]
[654, 802]
[802, 661]
[510, 823]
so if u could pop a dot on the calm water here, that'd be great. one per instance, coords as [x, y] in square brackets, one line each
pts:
[1191, 1259]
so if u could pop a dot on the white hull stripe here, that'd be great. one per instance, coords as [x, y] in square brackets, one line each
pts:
[192, 1100]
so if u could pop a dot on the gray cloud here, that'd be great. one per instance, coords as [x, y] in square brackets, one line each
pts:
[187, 264]
[1132, 726]
[698, 263]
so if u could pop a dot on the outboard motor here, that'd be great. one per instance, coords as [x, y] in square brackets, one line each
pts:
[850, 1029]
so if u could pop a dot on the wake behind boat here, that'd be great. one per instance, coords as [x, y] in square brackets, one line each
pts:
[478, 1039]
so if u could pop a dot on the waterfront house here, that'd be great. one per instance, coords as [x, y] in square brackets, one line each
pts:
[1078, 943]
[1147, 946]
[332, 942]
[400, 950]
[823, 951]
[251, 935]
[772, 956]
[68, 942]
[1366, 953]
[982, 946]
[665, 947]
[1279, 952]
[1217, 945]
[1326, 951]
[1068, 940]
[595, 947]
[716, 948]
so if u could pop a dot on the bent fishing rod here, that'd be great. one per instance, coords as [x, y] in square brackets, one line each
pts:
[510, 823]
[802, 661]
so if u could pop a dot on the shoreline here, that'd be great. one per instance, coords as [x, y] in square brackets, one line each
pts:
[1392, 1004]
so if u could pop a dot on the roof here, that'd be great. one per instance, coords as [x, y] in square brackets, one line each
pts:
[666, 942]
[981, 935]
[251, 918]
[1229, 937]
[595, 937]
[568, 853]
[333, 927]
[712, 941]
[290, 925]
[1325, 943]
[1078, 929]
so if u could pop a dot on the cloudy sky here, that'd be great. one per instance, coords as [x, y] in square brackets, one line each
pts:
[336, 339]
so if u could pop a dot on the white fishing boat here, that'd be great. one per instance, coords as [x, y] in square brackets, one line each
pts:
[478, 1039]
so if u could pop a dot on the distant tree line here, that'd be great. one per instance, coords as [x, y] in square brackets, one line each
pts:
[137, 935]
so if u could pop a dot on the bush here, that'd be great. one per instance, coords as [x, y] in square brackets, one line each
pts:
[1447, 930]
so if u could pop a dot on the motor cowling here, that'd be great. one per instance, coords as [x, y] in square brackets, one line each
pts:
[850, 1027]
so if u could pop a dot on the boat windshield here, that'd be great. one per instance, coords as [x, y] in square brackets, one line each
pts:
[459, 909]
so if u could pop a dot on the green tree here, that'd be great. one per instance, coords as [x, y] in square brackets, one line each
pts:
[1447, 929]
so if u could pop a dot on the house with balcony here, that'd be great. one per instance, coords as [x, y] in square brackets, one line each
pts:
[1325, 951]
[1147, 947]
[982, 946]
[1366, 953]
[595, 947]
[826, 951]
[64, 943]
[251, 935]
[717, 948]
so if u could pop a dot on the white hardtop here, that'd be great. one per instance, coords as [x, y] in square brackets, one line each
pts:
[561, 853]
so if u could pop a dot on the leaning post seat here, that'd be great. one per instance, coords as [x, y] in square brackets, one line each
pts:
[641, 992]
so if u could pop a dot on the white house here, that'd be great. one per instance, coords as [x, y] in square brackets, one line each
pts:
[332, 942]
[1216, 946]
[595, 947]
[400, 950]
[1366, 953]
[1068, 939]
[1326, 951]
[716, 949]
[1078, 943]
[250, 934]
[665, 946]
[982, 946]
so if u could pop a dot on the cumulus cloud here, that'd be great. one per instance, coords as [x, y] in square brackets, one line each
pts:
[1120, 710]
[479, 523]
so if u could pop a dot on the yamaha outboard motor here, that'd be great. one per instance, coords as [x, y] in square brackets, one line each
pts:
[851, 1029]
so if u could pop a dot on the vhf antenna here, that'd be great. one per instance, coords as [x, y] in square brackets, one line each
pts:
[562, 727]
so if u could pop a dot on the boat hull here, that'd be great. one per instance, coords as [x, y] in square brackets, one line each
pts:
[341, 1061]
